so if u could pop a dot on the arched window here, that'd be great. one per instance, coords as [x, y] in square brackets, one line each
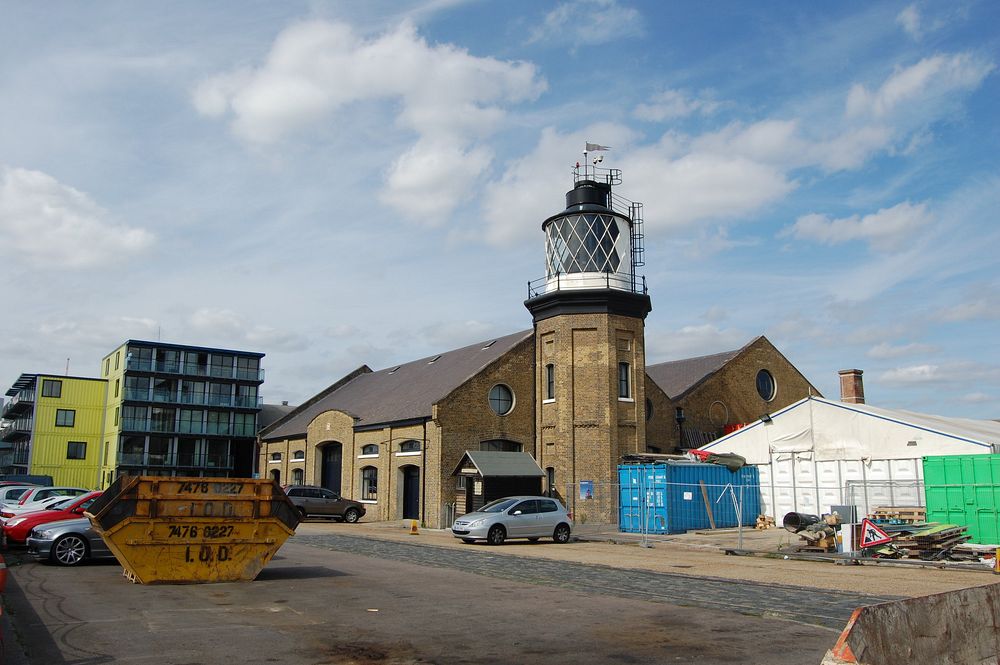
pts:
[275, 457]
[411, 446]
[624, 381]
[501, 399]
[369, 483]
[370, 449]
[297, 476]
[299, 455]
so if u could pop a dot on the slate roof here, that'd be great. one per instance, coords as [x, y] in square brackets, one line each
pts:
[271, 413]
[405, 392]
[677, 377]
[495, 463]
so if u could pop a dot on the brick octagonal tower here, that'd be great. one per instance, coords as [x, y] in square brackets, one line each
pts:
[590, 362]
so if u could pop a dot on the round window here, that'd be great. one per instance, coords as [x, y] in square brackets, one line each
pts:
[501, 399]
[765, 385]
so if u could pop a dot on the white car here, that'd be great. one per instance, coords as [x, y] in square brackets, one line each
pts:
[31, 500]
[13, 493]
[11, 511]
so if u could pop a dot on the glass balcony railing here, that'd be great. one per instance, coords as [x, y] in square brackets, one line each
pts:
[176, 460]
[195, 399]
[187, 427]
[195, 369]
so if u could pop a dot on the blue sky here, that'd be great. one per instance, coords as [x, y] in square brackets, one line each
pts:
[339, 183]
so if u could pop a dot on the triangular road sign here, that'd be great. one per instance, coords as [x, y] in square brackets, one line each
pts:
[872, 535]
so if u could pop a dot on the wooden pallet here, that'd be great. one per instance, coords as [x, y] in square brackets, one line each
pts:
[899, 514]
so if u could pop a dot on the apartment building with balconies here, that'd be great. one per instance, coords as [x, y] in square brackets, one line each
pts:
[177, 410]
[53, 426]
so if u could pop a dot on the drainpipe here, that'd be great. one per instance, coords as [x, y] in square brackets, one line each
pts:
[423, 478]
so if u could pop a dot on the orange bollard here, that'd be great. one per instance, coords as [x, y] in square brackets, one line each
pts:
[413, 528]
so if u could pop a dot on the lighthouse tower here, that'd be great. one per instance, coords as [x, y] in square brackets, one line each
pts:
[588, 314]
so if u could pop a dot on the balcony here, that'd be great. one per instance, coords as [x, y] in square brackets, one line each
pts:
[19, 404]
[195, 399]
[147, 425]
[15, 430]
[175, 460]
[196, 369]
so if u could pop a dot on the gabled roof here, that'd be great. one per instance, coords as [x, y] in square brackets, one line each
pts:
[496, 463]
[401, 393]
[677, 377]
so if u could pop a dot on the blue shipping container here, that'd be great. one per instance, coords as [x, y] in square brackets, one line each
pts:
[675, 497]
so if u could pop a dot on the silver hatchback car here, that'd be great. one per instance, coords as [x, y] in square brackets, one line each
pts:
[530, 517]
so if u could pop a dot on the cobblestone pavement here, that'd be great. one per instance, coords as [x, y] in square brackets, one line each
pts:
[830, 609]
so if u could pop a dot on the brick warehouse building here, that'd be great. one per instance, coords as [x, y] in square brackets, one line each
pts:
[540, 410]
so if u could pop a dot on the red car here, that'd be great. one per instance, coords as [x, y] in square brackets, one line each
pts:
[17, 528]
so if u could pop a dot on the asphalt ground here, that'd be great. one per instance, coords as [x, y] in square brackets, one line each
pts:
[375, 594]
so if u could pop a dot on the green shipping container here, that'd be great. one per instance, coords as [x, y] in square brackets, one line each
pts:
[965, 490]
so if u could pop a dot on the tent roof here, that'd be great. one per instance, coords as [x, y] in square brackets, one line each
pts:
[980, 432]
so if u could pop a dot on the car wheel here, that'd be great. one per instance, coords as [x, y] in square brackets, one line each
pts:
[351, 515]
[561, 534]
[497, 535]
[69, 550]
[302, 513]
[468, 541]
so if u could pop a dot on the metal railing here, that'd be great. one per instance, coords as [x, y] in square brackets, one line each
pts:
[195, 369]
[182, 460]
[148, 425]
[194, 398]
[587, 280]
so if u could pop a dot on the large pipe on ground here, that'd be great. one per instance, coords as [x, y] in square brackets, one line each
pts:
[796, 522]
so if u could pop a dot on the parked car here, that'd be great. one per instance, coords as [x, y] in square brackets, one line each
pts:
[39, 493]
[313, 501]
[12, 510]
[67, 542]
[17, 528]
[13, 493]
[530, 517]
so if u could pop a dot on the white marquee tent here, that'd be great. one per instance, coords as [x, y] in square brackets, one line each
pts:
[819, 453]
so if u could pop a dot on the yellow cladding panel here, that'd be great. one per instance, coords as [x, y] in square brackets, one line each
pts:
[62, 423]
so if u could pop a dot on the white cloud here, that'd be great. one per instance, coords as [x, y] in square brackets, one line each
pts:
[909, 19]
[448, 97]
[920, 87]
[693, 341]
[977, 398]
[231, 329]
[45, 222]
[671, 104]
[701, 186]
[588, 22]
[986, 308]
[912, 374]
[965, 373]
[886, 350]
[886, 229]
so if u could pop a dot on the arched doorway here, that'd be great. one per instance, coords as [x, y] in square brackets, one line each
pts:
[276, 476]
[411, 492]
[330, 469]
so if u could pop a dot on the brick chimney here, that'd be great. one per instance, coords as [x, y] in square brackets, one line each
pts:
[852, 388]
